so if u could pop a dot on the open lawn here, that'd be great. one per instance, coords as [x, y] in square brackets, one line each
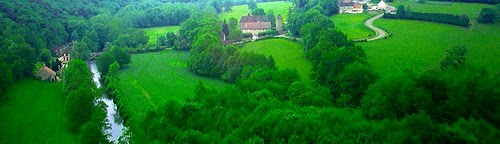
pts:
[287, 54]
[154, 33]
[470, 9]
[279, 7]
[34, 113]
[153, 78]
[420, 46]
[353, 25]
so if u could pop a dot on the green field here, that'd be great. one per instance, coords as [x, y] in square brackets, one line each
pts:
[470, 9]
[420, 46]
[154, 33]
[278, 7]
[34, 113]
[287, 54]
[353, 25]
[153, 78]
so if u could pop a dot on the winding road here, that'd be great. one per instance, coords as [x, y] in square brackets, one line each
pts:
[380, 32]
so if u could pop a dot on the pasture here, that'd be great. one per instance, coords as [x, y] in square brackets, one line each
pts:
[353, 25]
[419, 46]
[279, 7]
[470, 9]
[155, 32]
[34, 113]
[286, 54]
[153, 78]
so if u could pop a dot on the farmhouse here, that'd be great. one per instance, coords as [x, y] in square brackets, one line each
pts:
[254, 25]
[64, 59]
[47, 74]
[351, 6]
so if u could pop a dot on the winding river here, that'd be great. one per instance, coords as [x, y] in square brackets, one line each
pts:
[113, 117]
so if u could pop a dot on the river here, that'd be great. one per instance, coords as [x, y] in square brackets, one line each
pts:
[113, 117]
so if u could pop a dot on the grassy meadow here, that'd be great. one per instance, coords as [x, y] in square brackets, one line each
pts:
[353, 25]
[153, 78]
[279, 7]
[155, 32]
[287, 54]
[420, 46]
[34, 113]
[470, 9]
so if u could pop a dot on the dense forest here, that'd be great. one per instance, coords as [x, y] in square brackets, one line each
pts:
[346, 101]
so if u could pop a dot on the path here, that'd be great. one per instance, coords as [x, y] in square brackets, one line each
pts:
[380, 32]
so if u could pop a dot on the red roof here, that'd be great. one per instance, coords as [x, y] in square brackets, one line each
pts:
[358, 6]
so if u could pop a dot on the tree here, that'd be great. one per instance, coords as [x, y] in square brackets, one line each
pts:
[81, 51]
[121, 55]
[217, 5]
[258, 12]
[225, 28]
[228, 5]
[455, 57]
[487, 15]
[271, 17]
[112, 78]
[252, 5]
[104, 61]
[354, 80]
[81, 91]
[45, 56]
[6, 77]
[401, 10]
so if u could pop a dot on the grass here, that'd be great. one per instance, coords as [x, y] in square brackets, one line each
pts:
[153, 78]
[353, 25]
[419, 46]
[155, 32]
[287, 54]
[470, 9]
[279, 7]
[34, 113]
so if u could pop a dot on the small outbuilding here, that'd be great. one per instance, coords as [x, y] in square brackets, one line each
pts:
[47, 74]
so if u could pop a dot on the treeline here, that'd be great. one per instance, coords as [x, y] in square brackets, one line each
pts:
[144, 14]
[298, 18]
[86, 115]
[474, 1]
[459, 20]
[347, 103]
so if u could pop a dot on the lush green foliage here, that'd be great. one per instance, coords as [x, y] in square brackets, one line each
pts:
[298, 19]
[474, 1]
[488, 15]
[153, 78]
[353, 25]
[279, 7]
[456, 8]
[116, 54]
[34, 113]
[155, 33]
[422, 47]
[462, 20]
[86, 118]
[286, 54]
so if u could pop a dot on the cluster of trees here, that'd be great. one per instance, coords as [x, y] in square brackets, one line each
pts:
[298, 18]
[86, 118]
[459, 20]
[489, 15]
[326, 7]
[144, 14]
[474, 1]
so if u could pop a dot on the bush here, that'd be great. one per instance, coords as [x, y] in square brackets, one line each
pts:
[474, 1]
[246, 35]
[459, 20]
[268, 33]
[487, 15]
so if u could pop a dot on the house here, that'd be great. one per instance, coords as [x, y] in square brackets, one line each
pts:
[254, 25]
[382, 5]
[47, 74]
[357, 8]
[64, 59]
